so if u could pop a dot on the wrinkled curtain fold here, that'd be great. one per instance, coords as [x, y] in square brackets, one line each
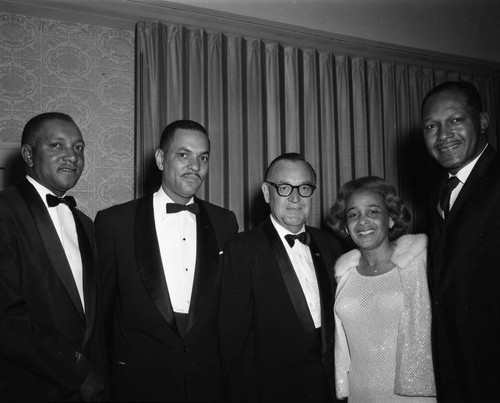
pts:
[349, 115]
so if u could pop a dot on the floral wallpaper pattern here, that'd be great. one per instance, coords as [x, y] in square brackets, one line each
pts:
[83, 70]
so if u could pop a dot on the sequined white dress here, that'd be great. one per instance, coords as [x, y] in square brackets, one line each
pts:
[383, 344]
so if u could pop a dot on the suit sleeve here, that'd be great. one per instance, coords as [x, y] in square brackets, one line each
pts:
[107, 283]
[235, 325]
[26, 342]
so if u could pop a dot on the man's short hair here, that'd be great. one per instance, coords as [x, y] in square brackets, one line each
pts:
[169, 132]
[35, 124]
[472, 96]
[289, 157]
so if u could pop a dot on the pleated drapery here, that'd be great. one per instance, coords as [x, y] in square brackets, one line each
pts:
[349, 115]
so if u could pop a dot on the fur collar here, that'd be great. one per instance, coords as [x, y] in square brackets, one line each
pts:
[407, 248]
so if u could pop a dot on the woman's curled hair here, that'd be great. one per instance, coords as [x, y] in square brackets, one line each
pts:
[395, 207]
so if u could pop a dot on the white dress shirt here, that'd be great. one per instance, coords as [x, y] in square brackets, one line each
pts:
[303, 265]
[462, 176]
[65, 226]
[177, 240]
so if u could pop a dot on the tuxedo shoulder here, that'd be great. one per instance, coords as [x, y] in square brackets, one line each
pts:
[213, 208]
[122, 208]
[8, 195]
[248, 237]
[83, 216]
[12, 205]
[319, 234]
[494, 168]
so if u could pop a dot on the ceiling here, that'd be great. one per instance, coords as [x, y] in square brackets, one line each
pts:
[468, 28]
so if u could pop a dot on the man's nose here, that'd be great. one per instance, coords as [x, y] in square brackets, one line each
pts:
[194, 164]
[70, 154]
[444, 132]
[294, 196]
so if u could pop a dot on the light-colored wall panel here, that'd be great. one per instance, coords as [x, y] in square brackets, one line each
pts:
[86, 71]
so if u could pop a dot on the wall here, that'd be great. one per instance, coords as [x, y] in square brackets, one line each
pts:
[459, 27]
[86, 71]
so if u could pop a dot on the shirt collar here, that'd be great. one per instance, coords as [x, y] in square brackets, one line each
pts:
[161, 197]
[42, 190]
[464, 172]
[282, 231]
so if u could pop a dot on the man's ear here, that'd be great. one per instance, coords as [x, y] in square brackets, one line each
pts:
[159, 155]
[265, 192]
[484, 121]
[27, 154]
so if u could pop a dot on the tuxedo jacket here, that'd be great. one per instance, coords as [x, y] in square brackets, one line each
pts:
[48, 344]
[271, 350]
[149, 359]
[464, 278]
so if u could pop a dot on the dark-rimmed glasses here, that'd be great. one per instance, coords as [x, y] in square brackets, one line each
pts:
[285, 189]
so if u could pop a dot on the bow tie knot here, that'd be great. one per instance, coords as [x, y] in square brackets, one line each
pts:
[53, 201]
[303, 237]
[176, 208]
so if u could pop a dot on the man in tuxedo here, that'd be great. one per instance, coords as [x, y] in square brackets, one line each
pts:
[161, 278]
[276, 310]
[49, 347]
[464, 244]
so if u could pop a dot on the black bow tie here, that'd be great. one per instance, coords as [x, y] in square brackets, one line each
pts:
[176, 207]
[53, 201]
[303, 237]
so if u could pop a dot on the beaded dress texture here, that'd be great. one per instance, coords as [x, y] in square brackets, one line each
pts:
[383, 344]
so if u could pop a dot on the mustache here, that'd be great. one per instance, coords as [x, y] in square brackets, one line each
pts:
[192, 174]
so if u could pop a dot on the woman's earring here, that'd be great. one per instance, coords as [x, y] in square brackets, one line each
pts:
[346, 230]
[391, 224]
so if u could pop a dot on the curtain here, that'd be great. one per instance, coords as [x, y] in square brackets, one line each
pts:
[349, 115]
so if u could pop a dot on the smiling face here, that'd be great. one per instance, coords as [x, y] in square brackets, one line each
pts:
[453, 131]
[55, 157]
[290, 212]
[184, 164]
[367, 220]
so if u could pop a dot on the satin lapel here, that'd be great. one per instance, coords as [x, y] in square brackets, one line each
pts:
[291, 281]
[472, 182]
[326, 296]
[148, 259]
[207, 261]
[51, 242]
[85, 241]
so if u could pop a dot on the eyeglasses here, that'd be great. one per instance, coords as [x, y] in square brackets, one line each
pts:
[285, 189]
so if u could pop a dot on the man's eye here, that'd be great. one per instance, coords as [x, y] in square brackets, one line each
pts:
[204, 158]
[456, 120]
[352, 215]
[80, 147]
[182, 155]
[55, 145]
[431, 126]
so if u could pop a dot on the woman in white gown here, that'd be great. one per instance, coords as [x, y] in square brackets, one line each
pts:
[382, 307]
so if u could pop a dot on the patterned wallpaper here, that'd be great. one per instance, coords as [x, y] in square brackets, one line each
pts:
[86, 71]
